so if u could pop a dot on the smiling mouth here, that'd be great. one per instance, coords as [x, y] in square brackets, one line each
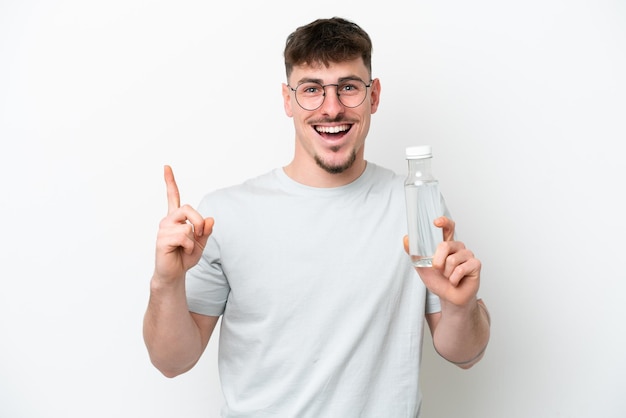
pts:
[332, 130]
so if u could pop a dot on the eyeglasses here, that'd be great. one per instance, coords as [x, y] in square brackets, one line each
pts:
[351, 93]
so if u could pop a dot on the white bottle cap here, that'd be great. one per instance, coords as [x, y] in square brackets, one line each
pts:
[419, 152]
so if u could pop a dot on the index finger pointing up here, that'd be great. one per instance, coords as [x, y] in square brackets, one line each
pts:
[173, 196]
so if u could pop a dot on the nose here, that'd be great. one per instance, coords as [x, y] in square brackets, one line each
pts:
[332, 105]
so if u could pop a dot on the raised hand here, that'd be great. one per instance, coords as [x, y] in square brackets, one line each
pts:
[455, 274]
[181, 238]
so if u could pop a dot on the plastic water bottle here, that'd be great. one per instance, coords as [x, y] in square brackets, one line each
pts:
[423, 206]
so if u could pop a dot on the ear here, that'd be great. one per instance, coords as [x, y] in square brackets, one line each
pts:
[375, 95]
[287, 100]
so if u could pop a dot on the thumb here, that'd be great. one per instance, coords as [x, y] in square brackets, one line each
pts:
[206, 231]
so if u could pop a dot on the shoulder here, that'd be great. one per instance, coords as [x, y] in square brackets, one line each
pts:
[381, 177]
[242, 193]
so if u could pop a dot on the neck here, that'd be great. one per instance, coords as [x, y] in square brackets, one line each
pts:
[314, 176]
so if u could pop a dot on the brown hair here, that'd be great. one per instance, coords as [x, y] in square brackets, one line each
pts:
[326, 41]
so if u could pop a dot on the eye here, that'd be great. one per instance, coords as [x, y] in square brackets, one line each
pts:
[350, 87]
[310, 89]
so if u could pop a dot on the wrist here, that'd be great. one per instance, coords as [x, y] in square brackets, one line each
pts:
[453, 309]
[161, 284]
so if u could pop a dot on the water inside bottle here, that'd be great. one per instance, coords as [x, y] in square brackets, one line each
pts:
[419, 261]
[423, 207]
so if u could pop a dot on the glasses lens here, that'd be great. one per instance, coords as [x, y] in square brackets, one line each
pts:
[310, 95]
[351, 93]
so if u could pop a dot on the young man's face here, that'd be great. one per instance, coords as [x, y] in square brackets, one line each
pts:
[331, 136]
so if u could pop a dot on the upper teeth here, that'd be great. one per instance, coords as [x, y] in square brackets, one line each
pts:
[332, 129]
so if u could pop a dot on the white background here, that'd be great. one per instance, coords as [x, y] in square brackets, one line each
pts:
[524, 104]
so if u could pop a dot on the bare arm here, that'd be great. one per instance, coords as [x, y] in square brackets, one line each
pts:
[461, 337]
[176, 338]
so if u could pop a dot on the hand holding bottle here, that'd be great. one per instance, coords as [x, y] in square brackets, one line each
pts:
[455, 272]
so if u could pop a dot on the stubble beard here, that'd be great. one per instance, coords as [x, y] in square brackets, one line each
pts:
[336, 168]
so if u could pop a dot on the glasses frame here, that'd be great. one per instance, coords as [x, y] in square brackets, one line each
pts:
[336, 85]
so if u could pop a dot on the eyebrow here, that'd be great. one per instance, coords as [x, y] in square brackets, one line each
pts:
[320, 81]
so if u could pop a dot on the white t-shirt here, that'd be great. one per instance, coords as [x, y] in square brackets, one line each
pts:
[323, 313]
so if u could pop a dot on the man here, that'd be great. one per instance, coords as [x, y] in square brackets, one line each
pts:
[322, 311]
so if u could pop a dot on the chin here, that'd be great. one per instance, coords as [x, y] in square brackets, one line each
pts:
[336, 166]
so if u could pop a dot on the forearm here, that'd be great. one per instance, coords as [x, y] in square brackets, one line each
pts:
[171, 335]
[462, 333]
